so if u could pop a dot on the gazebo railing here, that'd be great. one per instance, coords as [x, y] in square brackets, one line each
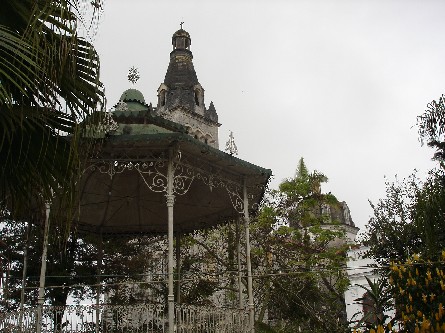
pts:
[197, 319]
[141, 318]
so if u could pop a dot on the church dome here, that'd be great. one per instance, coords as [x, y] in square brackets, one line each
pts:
[132, 95]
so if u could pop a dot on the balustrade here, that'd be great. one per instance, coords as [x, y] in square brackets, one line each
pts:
[141, 318]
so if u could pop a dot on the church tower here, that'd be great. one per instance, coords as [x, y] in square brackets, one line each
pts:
[181, 96]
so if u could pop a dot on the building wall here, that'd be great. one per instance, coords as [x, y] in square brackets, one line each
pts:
[197, 127]
[358, 269]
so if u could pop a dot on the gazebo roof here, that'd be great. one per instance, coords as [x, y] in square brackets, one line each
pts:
[123, 188]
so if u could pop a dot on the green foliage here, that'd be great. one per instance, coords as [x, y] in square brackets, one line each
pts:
[126, 266]
[431, 126]
[302, 281]
[69, 266]
[378, 300]
[44, 60]
[426, 204]
[419, 291]
[417, 286]
[300, 198]
[429, 215]
[72, 266]
[408, 220]
[390, 233]
[45, 66]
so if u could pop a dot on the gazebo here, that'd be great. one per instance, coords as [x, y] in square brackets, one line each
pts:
[161, 180]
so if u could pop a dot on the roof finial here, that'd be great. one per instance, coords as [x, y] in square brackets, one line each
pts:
[133, 75]
[181, 24]
[231, 146]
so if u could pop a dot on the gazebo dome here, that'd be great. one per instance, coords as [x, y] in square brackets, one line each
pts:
[132, 95]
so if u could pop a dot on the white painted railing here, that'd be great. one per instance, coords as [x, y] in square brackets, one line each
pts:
[145, 318]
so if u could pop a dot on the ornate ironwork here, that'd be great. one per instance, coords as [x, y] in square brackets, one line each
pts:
[110, 168]
[233, 190]
[153, 171]
[121, 106]
[231, 147]
[182, 179]
[133, 75]
[126, 318]
[152, 175]
[108, 124]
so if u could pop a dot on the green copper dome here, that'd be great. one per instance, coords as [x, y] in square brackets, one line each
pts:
[132, 95]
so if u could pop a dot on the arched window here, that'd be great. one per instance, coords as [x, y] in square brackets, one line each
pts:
[197, 96]
[162, 97]
[180, 43]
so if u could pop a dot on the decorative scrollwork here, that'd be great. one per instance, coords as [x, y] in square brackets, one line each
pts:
[182, 179]
[234, 191]
[110, 167]
[153, 176]
[235, 198]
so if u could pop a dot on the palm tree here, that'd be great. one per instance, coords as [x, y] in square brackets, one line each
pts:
[376, 302]
[49, 80]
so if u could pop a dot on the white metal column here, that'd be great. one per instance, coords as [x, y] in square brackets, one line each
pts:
[248, 260]
[99, 273]
[178, 268]
[25, 268]
[41, 298]
[170, 203]
[240, 273]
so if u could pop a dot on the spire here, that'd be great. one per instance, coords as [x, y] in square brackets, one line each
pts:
[212, 107]
[181, 96]
[181, 86]
[210, 113]
[180, 72]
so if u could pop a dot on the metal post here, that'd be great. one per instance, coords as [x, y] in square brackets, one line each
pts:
[25, 268]
[249, 263]
[170, 204]
[41, 298]
[99, 272]
[178, 268]
[238, 253]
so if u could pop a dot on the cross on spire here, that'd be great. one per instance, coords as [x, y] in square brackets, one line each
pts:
[181, 24]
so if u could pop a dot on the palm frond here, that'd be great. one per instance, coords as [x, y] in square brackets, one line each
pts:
[45, 68]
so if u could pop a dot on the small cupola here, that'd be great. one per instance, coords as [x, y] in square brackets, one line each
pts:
[131, 100]
[181, 40]
[132, 95]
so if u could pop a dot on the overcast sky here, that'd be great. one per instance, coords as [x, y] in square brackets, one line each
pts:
[339, 83]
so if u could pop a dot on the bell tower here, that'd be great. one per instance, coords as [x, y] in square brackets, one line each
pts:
[181, 96]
